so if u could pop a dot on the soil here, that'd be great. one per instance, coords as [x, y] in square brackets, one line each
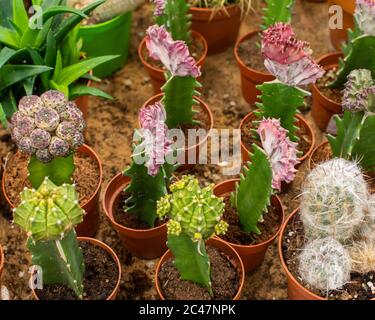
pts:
[268, 227]
[247, 137]
[322, 84]
[293, 241]
[131, 220]
[196, 49]
[251, 55]
[86, 176]
[224, 277]
[100, 277]
[110, 130]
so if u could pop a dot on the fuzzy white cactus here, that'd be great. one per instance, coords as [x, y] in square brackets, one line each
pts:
[334, 200]
[363, 256]
[325, 264]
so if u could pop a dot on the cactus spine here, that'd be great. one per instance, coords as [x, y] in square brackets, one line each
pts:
[48, 215]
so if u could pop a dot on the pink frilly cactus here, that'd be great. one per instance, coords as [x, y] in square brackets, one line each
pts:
[365, 16]
[159, 7]
[154, 132]
[174, 55]
[288, 58]
[281, 152]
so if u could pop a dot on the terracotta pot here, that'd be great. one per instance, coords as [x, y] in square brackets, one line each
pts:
[108, 249]
[324, 108]
[250, 78]
[208, 21]
[144, 244]
[251, 255]
[311, 165]
[301, 123]
[83, 102]
[157, 74]
[222, 246]
[197, 147]
[2, 259]
[338, 36]
[89, 225]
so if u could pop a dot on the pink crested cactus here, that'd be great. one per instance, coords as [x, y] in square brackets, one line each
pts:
[47, 126]
[174, 55]
[154, 131]
[281, 152]
[159, 7]
[365, 16]
[288, 58]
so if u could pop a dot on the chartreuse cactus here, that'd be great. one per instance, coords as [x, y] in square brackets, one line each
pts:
[49, 215]
[356, 129]
[195, 216]
[277, 11]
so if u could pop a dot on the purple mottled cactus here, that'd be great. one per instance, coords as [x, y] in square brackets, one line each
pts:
[281, 152]
[48, 126]
[288, 58]
[174, 55]
[365, 16]
[159, 7]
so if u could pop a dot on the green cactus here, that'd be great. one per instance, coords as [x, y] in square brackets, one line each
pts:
[252, 195]
[195, 215]
[277, 11]
[281, 101]
[49, 215]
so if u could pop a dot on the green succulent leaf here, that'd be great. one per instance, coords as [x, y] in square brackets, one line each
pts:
[252, 195]
[8, 105]
[20, 17]
[8, 37]
[277, 11]
[191, 260]
[5, 55]
[59, 171]
[76, 91]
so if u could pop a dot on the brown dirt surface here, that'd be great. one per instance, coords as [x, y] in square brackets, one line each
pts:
[110, 132]
[323, 83]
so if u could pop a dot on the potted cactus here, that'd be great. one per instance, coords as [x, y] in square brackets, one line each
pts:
[63, 263]
[247, 49]
[355, 129]
[210, 16]
[101, 32]
[48, 132]
[254, 213]
[173, 16]
[325, 246]
[130, 198]
[327, 92]
[190, 269]
[289, 60]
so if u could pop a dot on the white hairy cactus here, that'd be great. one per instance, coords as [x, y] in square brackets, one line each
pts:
[334, 200]
[363, 256]
[325, 264]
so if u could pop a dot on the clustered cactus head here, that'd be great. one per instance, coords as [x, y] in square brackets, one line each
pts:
[359, 92]
[174, 55]
[281, 152]
[192, 210]
[49, 212]
[334, 200]
[159, 7]
[288, 58]
[48, 126]
[363, 256]
[325, 264]
[365, 16]
[154, 131]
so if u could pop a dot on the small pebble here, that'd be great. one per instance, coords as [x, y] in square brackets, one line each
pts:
[4, 294]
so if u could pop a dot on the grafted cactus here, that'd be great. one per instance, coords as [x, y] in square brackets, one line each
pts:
[195, 215]
[334, 200]
[363, 256]
[48, 215]
[325, 264]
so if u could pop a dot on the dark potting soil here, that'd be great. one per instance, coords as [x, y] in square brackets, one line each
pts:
[100, 277]
[210, 4]
[86, 176]
[322, 85]
[196, 49]
[224, 276]
[247, 137]
[130, 220]
[293, 241]
[268, 227]
[251, 55]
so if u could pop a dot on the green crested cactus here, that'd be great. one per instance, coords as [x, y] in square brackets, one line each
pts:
[195, 216]
[277, 11]
[334, 200]
[48, 215]
[252, 195]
